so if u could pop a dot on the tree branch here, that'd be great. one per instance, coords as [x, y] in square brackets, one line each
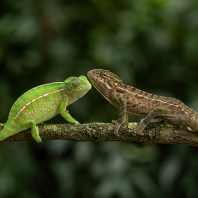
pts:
[161, 132]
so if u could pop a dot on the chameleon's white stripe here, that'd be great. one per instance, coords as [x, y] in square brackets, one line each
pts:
[108, 87]
[33, 100]
[134, 93]
[183, 110]
[148, 97]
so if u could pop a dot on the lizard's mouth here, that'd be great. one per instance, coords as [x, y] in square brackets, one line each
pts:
[87, 86]
[91, 74]
[96, 74]
[98, 77]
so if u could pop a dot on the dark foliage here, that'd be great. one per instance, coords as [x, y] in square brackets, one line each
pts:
[150, 44]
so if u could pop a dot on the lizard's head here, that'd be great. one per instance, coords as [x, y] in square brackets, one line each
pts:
[76, 87]
[104, 81]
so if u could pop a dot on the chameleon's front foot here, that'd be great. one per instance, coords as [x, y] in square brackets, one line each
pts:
[122, 119]
[76, 122]
[138, 130]
[117, 126]
[116, 129]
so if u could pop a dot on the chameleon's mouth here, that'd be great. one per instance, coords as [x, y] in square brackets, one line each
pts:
[88, 86]
[91, 73]
[96, 77]
[95, 74]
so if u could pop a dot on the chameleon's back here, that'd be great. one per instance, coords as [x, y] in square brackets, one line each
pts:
[39, 104]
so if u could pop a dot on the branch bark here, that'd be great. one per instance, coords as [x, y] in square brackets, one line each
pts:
[160, 132]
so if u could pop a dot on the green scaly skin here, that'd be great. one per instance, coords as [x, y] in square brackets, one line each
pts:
[43, 103]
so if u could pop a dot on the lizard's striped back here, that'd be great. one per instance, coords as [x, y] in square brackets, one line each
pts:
[38, 104]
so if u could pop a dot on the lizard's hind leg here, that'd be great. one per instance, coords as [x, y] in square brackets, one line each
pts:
[34, 130]
[155, 112]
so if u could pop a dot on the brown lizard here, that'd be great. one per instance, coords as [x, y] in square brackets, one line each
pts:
[129, 99]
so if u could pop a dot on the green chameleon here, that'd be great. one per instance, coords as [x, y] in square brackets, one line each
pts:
[43, 103]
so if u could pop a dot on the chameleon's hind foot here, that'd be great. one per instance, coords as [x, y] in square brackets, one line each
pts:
[34, 130]
[141, 126]
[35, 134]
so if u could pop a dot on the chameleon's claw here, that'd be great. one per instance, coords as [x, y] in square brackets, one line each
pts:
[38, 139]
[115, 132]
[141, 126]
[138, 131]
[114, 121]
[76, 122]
[36, 135]
[116, 127]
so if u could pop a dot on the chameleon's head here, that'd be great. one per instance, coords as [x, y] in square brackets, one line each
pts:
[104, 81]
[76, 87]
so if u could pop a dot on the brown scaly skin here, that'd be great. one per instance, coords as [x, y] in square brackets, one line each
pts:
[129, 99]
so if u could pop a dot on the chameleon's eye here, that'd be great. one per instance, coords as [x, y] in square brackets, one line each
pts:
[72, 82]
[103, 75]
[75, 82]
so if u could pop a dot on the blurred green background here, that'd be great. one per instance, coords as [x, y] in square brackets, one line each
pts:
[150, 44]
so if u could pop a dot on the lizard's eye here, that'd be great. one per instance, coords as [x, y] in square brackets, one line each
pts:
[71, 83]
[103, 75]
[75, 82]
[69, 87]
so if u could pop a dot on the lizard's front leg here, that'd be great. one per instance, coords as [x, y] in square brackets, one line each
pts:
[123, 116]
[64, 113]
[155, 112]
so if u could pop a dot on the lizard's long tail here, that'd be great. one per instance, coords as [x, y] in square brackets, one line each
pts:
[6, 132]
